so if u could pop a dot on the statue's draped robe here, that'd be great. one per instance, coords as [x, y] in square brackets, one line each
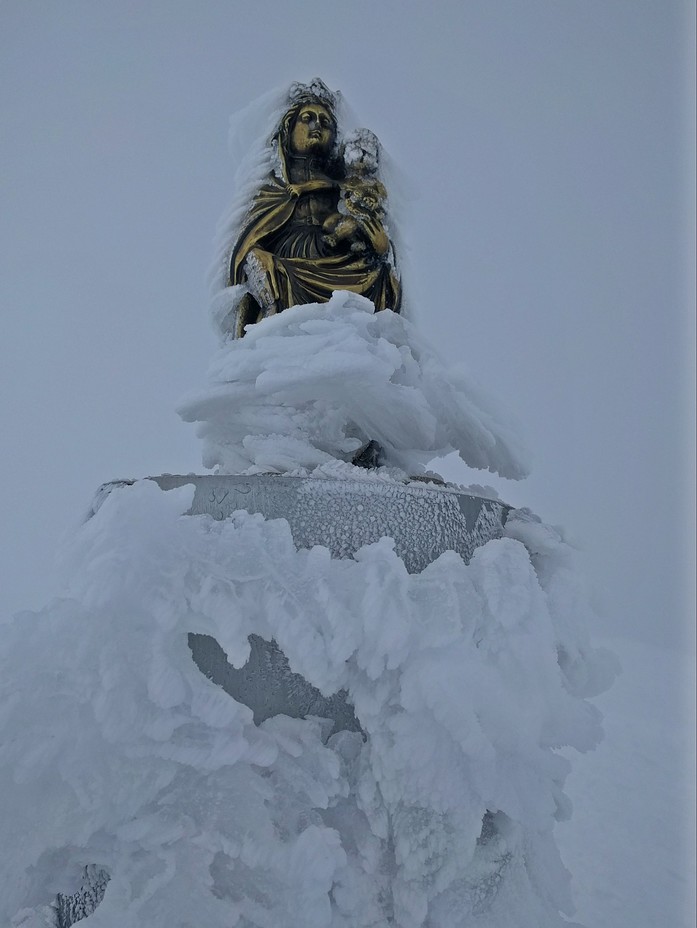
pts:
[306, 269]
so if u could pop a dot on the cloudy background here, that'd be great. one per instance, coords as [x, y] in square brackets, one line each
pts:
[547, 148]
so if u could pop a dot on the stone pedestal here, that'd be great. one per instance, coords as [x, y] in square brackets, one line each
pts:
[423, 519]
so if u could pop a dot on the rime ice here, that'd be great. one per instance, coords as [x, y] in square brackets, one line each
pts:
[119, 753]
[135, 792]
[308, 387]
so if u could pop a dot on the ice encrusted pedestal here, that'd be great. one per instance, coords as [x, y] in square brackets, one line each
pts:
[423, 520]
[384, 666]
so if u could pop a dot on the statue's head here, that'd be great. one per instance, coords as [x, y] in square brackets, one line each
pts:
[313, 130]
[308, 127]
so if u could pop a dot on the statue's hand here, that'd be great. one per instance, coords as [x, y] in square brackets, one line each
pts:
[264, 259]
[377, 236]
[259, 267]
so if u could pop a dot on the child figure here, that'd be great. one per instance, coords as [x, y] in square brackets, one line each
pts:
[361, 211]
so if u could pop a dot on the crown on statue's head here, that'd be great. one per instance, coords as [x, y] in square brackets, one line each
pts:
[312, 92]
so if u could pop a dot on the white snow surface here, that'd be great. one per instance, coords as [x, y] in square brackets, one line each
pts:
[116, 751]
[311, 385]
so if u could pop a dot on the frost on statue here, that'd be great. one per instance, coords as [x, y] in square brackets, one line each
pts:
[331, 380]
[466, 670]
[318, 222]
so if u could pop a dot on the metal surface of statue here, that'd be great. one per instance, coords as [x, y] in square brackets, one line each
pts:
[317, 224]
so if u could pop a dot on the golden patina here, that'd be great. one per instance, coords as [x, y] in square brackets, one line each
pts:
[318, 223]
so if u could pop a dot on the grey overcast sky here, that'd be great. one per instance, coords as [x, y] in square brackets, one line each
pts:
[549, 146]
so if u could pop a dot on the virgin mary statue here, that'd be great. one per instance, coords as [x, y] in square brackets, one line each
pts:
[317, 223]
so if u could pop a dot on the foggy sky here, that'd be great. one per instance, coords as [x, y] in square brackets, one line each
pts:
[548, 150]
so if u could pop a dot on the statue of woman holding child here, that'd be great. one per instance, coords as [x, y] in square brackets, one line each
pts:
[317, 224]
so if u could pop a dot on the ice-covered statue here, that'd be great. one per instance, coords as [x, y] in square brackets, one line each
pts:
[318, 686]
[318, 221]
[329, 371]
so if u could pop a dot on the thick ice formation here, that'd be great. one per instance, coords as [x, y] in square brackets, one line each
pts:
[314, 383]
[117, 752]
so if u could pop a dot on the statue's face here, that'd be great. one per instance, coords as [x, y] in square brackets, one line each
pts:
[313, 132]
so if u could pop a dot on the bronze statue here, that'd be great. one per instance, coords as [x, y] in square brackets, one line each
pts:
[318, 222]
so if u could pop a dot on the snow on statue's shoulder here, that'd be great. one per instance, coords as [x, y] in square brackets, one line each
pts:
[316, 382]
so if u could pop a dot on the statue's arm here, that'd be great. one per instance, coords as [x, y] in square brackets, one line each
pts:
[311, 186]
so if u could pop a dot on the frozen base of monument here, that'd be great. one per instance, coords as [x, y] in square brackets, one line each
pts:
[117, 753]
[343, 516]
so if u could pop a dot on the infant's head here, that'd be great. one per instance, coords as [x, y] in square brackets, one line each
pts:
[361, 152]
